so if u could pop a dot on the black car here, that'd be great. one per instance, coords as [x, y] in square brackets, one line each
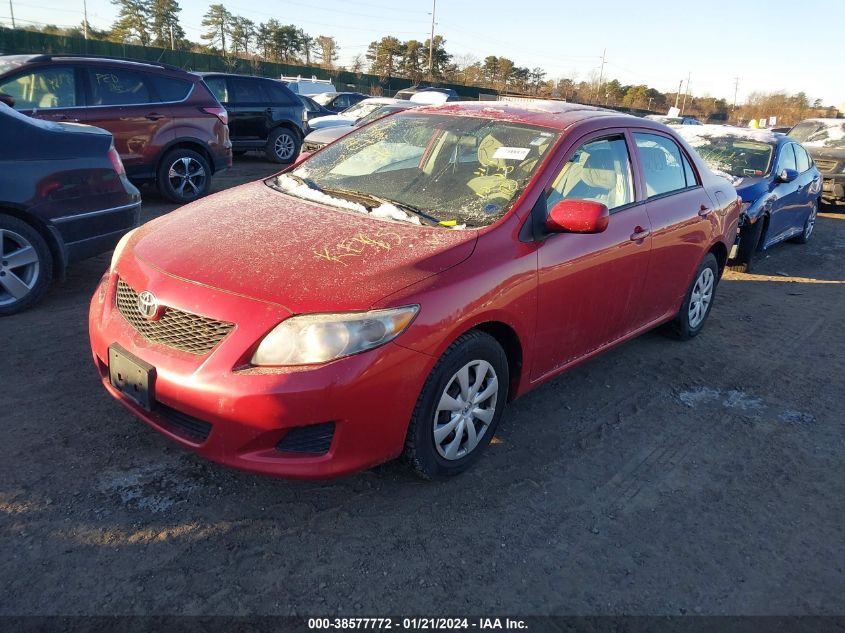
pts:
[337, 102]
[64, 196]
[313, 109]
[263, 114]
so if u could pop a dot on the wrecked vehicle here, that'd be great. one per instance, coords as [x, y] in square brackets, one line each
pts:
[391, 293]
[825, 140]
[779, 185]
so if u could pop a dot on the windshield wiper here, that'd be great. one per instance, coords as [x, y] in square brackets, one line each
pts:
[372, 198]
[304, 181]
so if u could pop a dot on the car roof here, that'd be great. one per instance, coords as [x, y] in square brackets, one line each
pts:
[102, 59]
[551, 114]
[211, 73]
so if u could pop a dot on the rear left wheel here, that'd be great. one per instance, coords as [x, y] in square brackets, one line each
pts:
[26, 265]
[459, 408]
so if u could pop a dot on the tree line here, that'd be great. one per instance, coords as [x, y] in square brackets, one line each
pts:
[156, 23]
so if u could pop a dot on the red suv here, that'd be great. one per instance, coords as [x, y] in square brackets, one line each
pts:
[167, 126]
[405, 282]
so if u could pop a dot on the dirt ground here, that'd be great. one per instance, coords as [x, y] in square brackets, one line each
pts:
[662, 478]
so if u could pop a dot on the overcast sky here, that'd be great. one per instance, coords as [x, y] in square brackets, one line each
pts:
[772, 45]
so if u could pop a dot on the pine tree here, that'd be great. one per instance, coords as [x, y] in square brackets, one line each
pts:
[326, 50]
[219, 23]
[132, 22]
[166, 30]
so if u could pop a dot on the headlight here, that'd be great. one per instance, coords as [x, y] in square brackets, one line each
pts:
[319, 338]
[118, 250]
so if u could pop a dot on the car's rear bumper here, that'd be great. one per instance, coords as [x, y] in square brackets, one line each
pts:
[245, 417]
[88, 234]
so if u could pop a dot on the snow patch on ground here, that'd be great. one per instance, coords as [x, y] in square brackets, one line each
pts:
[733, 399]
[154, 488]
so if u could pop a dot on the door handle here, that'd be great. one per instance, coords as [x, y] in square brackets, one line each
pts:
[66, 118]
[704, 210]
[154, 116]
[640, 234]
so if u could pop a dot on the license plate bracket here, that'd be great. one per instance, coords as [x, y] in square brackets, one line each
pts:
[134, 378]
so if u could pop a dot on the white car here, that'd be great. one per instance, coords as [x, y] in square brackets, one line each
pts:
[349, 116]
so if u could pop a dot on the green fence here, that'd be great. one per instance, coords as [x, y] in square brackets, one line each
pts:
[16, 41]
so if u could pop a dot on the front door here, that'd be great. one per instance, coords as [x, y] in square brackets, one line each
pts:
[248, 109]
[589, 285]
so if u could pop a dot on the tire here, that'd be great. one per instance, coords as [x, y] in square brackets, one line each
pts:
[685, 326]
[809, 225]
[474, 352]
[183, 176]
[750, 236]
[26, 265]
[282, 146]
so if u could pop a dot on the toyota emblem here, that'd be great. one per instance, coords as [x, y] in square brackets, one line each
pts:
[148, 305]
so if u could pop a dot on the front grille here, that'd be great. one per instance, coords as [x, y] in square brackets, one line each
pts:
[181, 424]
[825, 164]
[314, 439]
[181, 330]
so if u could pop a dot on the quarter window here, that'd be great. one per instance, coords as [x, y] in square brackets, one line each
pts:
[663, 164]
[170, 89]
[217, 85]
[113, 87]
[600, 171]
[42, 89]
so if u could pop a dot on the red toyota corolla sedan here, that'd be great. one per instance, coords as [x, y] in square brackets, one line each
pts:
[393, 291]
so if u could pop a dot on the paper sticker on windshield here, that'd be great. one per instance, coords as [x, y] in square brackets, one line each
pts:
[543, 138]
[512, 153]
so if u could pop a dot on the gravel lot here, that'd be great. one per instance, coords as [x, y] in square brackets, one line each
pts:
[661, 478]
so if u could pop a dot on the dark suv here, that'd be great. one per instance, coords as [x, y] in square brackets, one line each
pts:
[263, 114]
[168, 128]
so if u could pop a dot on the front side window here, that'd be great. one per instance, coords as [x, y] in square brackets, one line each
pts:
[663, 164]
[599, 171]
[42, 89]
[787, 157]
[445, 170]
[246, 91]
[115, 87]
[801, 159]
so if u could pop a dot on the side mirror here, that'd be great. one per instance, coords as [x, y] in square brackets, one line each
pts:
[578, 216]
[787, 175]
[9, 100]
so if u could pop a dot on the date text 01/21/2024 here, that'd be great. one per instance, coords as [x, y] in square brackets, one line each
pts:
[417, 624]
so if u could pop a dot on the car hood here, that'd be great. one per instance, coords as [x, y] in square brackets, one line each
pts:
[328, 134]
[836, 153]
[749, 189]
[257, 242]
[330, 121]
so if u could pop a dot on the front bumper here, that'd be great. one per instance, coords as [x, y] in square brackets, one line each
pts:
[366, 400]
[833, 187]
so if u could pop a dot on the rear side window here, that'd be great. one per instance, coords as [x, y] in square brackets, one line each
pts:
[42, 89]
[662, 162]
[787, 157]
[246, 91]
[279, 95]
[217, 85]
[801, 159]
[169, 88]
[115, 87]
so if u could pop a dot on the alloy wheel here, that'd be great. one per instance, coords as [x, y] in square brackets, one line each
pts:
[187, 176]
[465, 410]
[702, 295]
[19, 267]
[284, 146]
[811, 222]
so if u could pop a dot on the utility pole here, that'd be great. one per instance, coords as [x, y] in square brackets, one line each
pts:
[430, 42]
[736, 89]
[172, 44]
[684, 104]
[85, 18]
[12, 11]
[678, 94]
[601, 73]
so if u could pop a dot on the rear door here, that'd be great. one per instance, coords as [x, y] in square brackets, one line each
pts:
[809, 186]
[590, 286]
[248, 109]
[124, 102]
[47, 92]
[677, 207]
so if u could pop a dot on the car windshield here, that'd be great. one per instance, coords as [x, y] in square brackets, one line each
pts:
[451, 171]
[324, 97]
[361, 109]
[380, 112]
[309, 103]
[735, 156]
[9, 64]
[820, 133]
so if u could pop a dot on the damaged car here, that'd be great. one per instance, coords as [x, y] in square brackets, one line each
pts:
[776, 178]
[391, 293]
[824, 139]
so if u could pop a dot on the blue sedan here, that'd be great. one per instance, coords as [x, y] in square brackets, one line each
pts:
[776, 178]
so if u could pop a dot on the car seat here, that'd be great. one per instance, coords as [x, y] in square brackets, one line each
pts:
[489, 185]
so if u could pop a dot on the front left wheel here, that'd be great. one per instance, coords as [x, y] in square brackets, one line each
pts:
[459, 407]
[809, 225]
